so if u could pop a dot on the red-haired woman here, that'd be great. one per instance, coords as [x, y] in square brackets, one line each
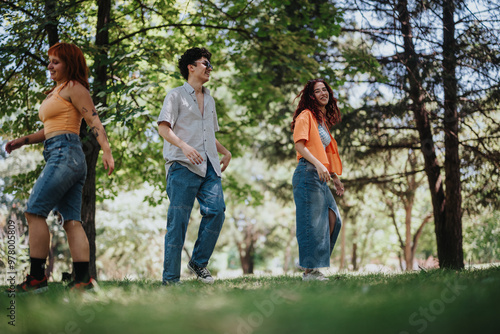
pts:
[59, 186]
[317, 215]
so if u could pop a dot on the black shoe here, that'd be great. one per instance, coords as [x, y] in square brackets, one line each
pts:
[201, 273]
[31, 284]
[82, 286]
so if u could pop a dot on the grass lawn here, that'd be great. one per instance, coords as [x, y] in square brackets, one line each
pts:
[437, 301]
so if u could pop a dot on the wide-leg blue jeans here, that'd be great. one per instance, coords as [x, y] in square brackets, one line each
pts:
[313, 198]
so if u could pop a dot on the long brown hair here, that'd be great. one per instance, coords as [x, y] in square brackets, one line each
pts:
[75, 62]
[308, 101]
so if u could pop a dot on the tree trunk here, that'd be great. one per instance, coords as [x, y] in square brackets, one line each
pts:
[408, 238]
[91, 150]
[288, 250]
[53, 36]
[91, 146]
[187, 253]
[450, 236]
[417, 234]
[246, 249]
[432, 168]
[342, 247]
[354, 260]
[401, 262]
[247, 260]
[51, 22]
[347, 214]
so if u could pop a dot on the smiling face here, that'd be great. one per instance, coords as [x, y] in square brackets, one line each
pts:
[321, 94]
[200, 70]
[57, 69]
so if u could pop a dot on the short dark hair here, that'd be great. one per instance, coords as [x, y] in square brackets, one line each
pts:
[189, 57]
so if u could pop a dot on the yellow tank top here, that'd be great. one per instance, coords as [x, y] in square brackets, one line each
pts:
[58, 114]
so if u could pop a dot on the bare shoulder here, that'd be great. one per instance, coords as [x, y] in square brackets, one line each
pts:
[76, 90]
[75, 86]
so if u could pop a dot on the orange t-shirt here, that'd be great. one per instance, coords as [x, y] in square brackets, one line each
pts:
[58, 114]
[306, 128]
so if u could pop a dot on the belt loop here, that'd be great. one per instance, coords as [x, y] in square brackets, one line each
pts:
[69, 137]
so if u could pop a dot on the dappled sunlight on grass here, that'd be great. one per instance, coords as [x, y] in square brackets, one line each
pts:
[434, 302]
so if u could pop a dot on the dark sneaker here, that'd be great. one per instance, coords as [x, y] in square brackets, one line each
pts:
[31, 284]
[81, 286]
[201, 273]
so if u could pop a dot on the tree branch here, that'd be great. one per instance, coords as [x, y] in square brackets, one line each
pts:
[381, 178]
[179, 25]
[419, 231]
[21, 9]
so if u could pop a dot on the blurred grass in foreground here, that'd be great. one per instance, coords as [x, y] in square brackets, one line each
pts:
[438, 301]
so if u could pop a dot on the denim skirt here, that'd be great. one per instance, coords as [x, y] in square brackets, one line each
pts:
[313, 198]
[59, 186]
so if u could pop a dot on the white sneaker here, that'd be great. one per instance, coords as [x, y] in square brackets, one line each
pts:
[314, 275]
[298, 266]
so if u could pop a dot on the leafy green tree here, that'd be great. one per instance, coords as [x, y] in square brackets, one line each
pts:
[405, 192]
[441, 80]
[266, 46]
[481, 231]
[260, 223]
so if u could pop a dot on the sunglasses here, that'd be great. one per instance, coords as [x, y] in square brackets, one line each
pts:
[206, 63]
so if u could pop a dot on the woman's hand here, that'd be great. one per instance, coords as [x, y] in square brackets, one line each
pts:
[108, 161]
[33, 138]
[14, 145]
[339, 187]
[323, 173]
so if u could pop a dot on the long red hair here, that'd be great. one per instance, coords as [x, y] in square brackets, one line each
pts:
[308, 101]
[75, 62]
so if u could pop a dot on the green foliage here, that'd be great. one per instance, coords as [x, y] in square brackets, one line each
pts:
[241, 193]
[481, 238]
[268, 49]
[380, 125]
[263, 52]
[360, 61]
[130, 235]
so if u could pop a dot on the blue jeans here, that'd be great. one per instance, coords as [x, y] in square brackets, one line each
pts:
[59, 186]
[313, 199]
[183, 186]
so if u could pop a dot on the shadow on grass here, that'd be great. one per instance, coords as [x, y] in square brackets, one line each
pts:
[437, 301]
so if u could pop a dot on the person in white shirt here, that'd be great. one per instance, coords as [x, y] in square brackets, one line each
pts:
[188, 122]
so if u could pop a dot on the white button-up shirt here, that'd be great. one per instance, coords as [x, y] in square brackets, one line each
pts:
[180, 109]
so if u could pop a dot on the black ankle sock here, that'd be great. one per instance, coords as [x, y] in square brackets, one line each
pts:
[37, 269]
[81, 271]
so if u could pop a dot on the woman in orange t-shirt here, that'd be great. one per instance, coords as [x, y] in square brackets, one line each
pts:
[317, 215]
[59, 186]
